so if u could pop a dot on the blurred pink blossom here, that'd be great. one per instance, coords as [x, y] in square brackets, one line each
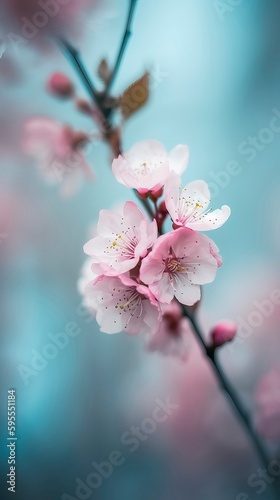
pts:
[123, 238]
[178, 264]
[268, 404]
[173, 336]
[57, 150]
[124, 305]
[146, 166]
[189, 207]
[27, 21]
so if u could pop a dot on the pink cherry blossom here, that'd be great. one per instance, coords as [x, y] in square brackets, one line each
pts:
[146, 165]
[124, 305]
[268, 403]
[29, 21]
[173, 335]
[57, 149]
[178, 264]
[189, 207]
[123, 238]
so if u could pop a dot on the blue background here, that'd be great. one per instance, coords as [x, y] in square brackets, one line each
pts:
[215, 82]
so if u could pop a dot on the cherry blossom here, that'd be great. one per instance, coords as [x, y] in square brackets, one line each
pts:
[57, 149]
[268, 403]
[122, 304]
[146, 166]
[178, 264]
[173, 335]
[123, 238]
[189, 207]
[30, 21]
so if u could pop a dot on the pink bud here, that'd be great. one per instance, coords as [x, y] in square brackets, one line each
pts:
[60, 85]
[154, 195]
[223, 332]
[143, 193]
[84, 106]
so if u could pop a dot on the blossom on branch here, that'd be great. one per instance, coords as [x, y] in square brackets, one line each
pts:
[123, 238]
[122, 304]
[146, 166]
[189, 206]
[142, 278]
[27, 21]
[173, 336]
[57, 150]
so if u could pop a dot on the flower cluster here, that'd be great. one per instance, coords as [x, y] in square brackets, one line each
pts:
[58, 151]
[141, 275]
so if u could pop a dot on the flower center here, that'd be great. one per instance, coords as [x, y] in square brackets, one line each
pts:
[173, 266]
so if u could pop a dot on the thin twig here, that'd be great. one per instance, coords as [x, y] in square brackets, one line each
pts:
[78, 64]
[122, 48]
[146, 204]
[231, 393]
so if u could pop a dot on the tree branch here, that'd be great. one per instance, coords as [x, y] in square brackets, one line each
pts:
[74, 56]
[122, 48]
[231, 393]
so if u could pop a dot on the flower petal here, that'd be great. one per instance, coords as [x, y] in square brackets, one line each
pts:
[184, 291]
[211, 220]
[178, 158]
[163, 289]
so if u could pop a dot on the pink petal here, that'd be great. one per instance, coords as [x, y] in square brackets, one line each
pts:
[186, 292]
[151, 269]
[212, 220]
[163, 289]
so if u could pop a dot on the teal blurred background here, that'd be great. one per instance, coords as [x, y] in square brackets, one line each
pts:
[214, 84]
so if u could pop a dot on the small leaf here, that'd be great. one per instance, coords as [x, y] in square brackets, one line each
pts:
[135, 96]
[104, 71]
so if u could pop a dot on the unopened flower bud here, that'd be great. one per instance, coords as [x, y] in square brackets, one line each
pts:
[143, 193]
[162, 208]
[223, 332]
[60, 85]
[154, 195]
[84, 106]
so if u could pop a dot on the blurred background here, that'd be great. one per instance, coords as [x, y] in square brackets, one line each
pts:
[215, 74]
